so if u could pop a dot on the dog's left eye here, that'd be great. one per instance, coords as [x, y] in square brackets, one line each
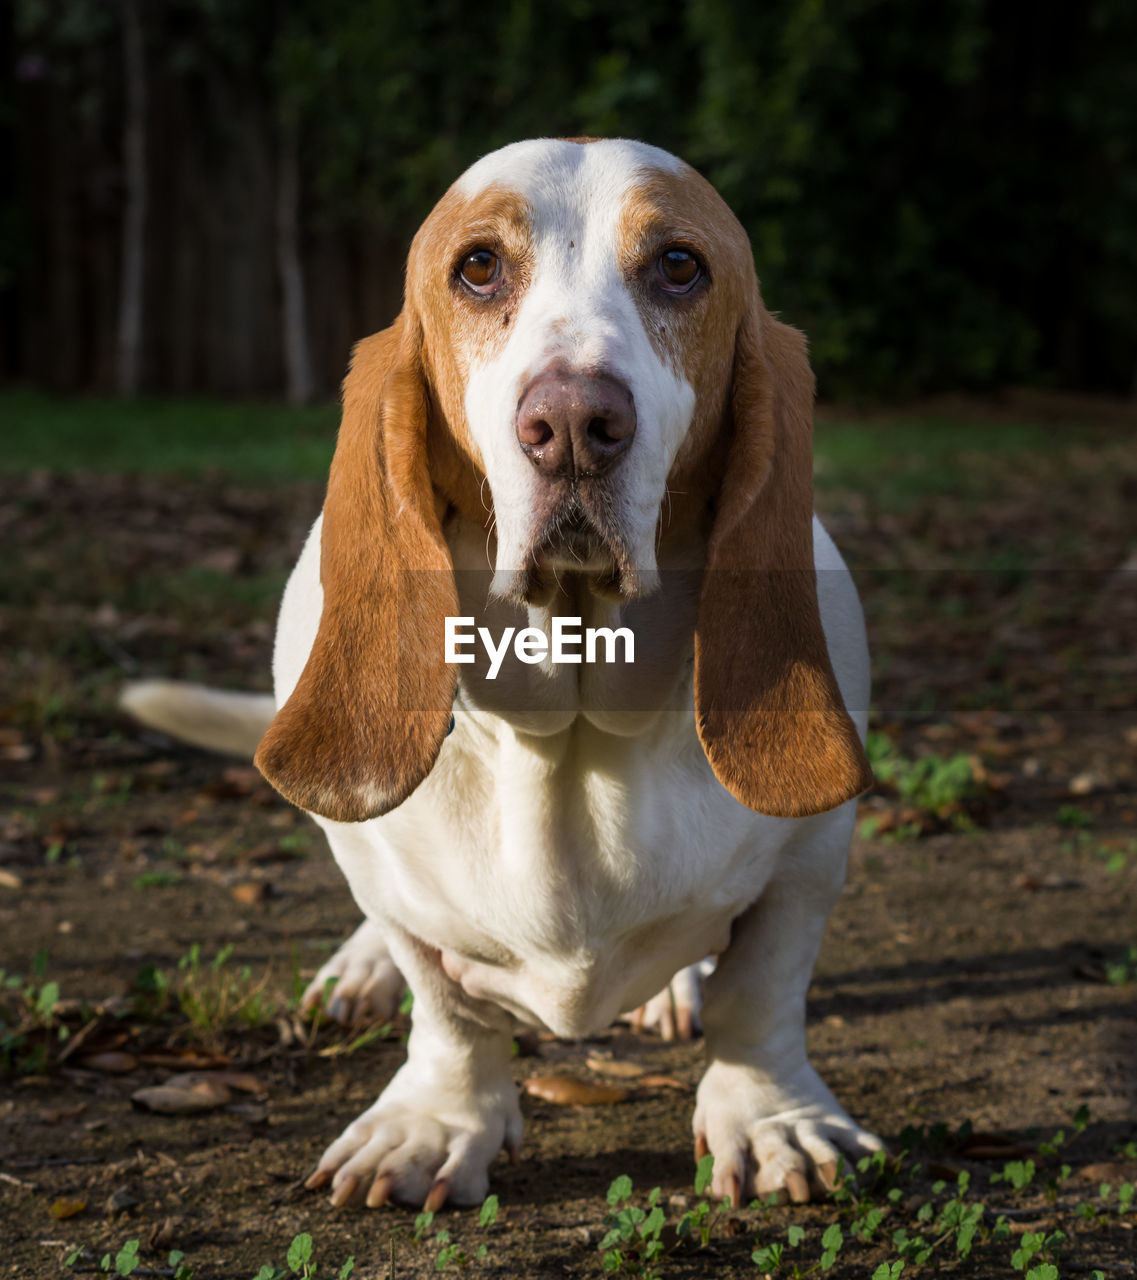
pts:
[481, 270]
[679, 270]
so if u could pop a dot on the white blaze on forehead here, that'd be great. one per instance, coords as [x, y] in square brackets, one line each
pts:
[577, 312]
[544, 164]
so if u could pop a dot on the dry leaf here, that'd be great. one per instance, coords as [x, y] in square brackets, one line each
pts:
[112, 1062]
[662, 1082]
[242, 1081]
[251, 892]
[162, 1234]
[571, 1091]
[1114, 1172]
[621, 1067]
[53, 1115]
[180, 1102]
[994, 1146]
[186, 1057]
[67, 1208]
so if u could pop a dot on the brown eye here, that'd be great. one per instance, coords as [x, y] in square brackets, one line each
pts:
[679, 270]
[481, 270]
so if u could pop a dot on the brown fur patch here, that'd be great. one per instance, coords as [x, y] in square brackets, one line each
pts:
[769, 712]
[367, 718]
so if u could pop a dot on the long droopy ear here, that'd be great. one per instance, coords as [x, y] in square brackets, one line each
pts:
[367, 718]
[769, 712]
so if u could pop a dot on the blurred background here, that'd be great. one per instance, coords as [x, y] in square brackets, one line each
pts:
[216, 196]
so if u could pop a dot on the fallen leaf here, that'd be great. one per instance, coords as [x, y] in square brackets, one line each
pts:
[242, 1081]
[162, 1234]
[43, 795]
[624, 1068]
[113, 1062]
[662, 1082]
[54, 1114]
[1034, 1224]
[171, 1101]
[571, 1091]
[1085, 784]
[67, 1208]
[185, 1057]
[1113, 1172]
[251, 892]
[994, 1146]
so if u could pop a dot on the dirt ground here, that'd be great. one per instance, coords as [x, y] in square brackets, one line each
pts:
[976, 972]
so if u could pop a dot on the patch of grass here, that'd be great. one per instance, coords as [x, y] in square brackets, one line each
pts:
[930, 789]
[1115, 854]
[450, 1252]
[1074, 817]
[246, 439]
[212, 996]
[29, 1026]
[157, 880]
[125, 1262]
[901, 460]
[1121, 973]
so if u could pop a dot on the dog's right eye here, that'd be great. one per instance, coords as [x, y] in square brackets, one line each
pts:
[481, 271]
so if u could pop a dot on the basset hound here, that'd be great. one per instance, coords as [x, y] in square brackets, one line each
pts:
[584, 411]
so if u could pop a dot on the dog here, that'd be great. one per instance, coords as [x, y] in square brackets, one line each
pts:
[584, 411]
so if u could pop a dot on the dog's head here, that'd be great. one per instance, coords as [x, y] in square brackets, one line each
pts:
[583, 353]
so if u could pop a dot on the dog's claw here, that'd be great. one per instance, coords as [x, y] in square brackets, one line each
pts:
[318, 1178]
[797, 1185]
[734, 1191]
[380, 1191]
[346, 1189]
[701, 1147]
[437, 1196]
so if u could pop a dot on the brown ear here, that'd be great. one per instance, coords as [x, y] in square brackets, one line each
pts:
[769, 712]
[366, 720]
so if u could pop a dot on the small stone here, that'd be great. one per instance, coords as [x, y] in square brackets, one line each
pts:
[119, 1200]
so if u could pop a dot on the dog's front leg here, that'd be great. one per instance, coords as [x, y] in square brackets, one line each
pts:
[764, 1113]
[436, 1128]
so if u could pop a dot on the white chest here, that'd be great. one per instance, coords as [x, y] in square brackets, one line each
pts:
[564, 878]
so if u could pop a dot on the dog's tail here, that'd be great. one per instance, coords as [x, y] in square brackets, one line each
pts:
[216, 719]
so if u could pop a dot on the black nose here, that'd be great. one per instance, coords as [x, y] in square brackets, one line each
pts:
[575, 424]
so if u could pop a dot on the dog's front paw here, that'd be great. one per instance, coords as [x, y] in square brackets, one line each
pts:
[421, 1147]
[367, 985]
[773, 1137]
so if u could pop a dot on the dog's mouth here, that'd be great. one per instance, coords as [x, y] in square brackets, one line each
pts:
[577, 537]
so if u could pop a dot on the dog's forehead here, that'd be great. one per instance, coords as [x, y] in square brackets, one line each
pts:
[558, 178]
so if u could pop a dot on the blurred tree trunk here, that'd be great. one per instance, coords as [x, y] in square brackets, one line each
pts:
[137, 192]
[290, 266]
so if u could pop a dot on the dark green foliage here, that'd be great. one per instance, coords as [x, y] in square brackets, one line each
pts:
[939, 194]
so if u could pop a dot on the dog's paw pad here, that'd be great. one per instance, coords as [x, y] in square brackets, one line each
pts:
[784, 1142]
[395, 1152]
